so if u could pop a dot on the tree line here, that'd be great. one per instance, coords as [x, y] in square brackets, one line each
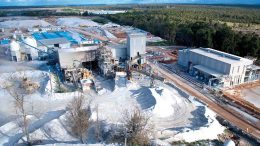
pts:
[196, 27]
[40, 13]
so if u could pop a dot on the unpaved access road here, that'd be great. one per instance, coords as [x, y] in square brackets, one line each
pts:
[229, 115]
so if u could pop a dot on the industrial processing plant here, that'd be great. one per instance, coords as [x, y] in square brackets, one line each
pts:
[218, 68]
[186, 94]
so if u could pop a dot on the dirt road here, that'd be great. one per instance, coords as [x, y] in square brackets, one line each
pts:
[231, 116]
[102, 38]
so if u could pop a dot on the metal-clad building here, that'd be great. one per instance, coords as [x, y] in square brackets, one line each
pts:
[74, 57]
[118, 51]
[136, 44]
[54, 42]
[208, 64]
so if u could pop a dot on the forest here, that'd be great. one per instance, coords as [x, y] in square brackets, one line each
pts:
[221, 27]
[198, 26]
[40, 13]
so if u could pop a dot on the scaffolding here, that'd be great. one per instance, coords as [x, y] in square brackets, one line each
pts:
[105, 61]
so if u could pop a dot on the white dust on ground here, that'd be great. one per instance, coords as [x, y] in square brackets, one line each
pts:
[75, 22]
[100, 31]
[23, 23]
[172, 112]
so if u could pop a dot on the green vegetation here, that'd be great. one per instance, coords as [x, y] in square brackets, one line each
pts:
[100, 20]
[2, 14]
[86, 13]
[40, 13]
[233, 29]
[49, 13]
[198, 26]
[59, 88]
[71, 10]
[161, 43]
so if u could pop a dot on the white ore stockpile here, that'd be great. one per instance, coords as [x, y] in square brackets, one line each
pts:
[76, 22]
[23, 23]
[171, 112]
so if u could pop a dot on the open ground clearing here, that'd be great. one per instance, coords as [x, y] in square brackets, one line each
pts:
[252, 95]
[172, 111]
[174, 114]
[75, 22]
[248, 92]
[23, 23]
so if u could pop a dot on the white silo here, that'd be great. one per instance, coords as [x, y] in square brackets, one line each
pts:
[136, 46]
[14, 36]
[15, 50]
[30, 48]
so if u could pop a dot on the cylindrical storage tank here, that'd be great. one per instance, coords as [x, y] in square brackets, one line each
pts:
[31, 46]
[14, 36]
[15, 50]
[14, 46]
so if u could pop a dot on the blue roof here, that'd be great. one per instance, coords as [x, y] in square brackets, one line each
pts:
[4, 41]
[60, 34]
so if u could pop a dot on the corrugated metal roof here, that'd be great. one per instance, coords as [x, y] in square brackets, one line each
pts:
[52, 41]
[80, 49]
[137, 34]
[221, 56]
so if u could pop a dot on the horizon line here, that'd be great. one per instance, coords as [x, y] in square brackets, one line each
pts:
[57, 5]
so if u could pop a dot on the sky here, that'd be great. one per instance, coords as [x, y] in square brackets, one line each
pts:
[80, 2]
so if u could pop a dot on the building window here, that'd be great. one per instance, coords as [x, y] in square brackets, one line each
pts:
[232, 70]
[238, 69]
[56, 45]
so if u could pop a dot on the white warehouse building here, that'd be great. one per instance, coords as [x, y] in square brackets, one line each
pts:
[136, 45]
[213, 67]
